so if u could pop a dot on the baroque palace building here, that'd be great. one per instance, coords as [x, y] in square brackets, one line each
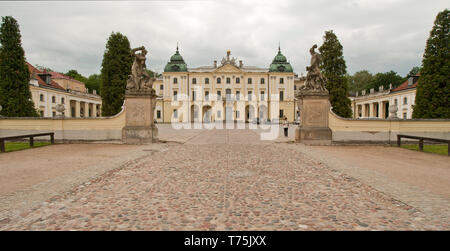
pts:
[226, 91]
[51, 88]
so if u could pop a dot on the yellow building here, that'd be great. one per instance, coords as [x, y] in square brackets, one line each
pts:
[46, 93]
[376, 104]
[225, 91]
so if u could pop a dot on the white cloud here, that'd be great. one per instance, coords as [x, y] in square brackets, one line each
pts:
[376, 35]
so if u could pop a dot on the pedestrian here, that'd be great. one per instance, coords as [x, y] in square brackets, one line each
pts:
[286, 127]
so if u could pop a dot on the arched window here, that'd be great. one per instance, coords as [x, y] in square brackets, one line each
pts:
[238, 80]
[41, 97]
[206, 80]
[228, 80]
[218, 80]
[175, 80]
[262, 80]
[194, 81]
[405, 100]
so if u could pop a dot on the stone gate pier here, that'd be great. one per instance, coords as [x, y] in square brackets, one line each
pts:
[139, 123]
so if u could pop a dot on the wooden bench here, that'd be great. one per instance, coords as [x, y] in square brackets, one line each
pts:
[421, 139]
[31, 136]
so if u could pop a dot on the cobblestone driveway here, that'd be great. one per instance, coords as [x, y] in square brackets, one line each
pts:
[224, 180]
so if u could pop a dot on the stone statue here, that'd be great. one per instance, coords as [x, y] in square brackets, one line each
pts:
[315, 80]
[139, 78]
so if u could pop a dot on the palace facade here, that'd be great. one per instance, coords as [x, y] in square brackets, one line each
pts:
[376, 104]
[51, 88]
[226, 91]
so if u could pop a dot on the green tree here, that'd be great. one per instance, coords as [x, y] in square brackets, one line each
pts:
[359, 81]
[413, 71]
[15, 95]
[116, 67]
[334, 69]
[433, 90]
[94, 82]
[385, 79]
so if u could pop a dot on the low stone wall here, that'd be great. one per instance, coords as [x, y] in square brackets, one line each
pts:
[385, 130]
[67, 129]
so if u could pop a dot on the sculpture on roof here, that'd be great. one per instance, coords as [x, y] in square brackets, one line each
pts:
[227, 60]
[315, 80]
[139, 78]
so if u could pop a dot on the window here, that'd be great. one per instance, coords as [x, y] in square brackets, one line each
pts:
[53, 99]
[249, 80]
[295, 87]
[206, 80]
[175, 96]
[404, 115]
[228, 94]
[228, 80]
[281, 95]
[395, 102]
[405, 100]
[219, 114]
[41, 97]
[262, 80]
[41, 113]
[206, 96]
[249, 95]
[53, 114]
[238, 95]
[175, 80]
[238, 80]
[161, 87]
[193, 95]
[175, 113]
[62, 101]
[281, 113]
[158, 114]
[237, 114]
[281, 80]
[219, 95]
[218, 80]
[194, 81]
[262, 95]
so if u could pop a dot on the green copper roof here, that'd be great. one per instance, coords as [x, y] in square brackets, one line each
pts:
[280, 63]
[176, 63]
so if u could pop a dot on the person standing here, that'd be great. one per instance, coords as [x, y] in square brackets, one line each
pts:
[285, 127]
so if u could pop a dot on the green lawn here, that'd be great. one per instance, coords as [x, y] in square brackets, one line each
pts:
[16, 146]
[439, 149]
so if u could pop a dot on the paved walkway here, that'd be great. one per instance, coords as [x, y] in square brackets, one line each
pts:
[224, 180]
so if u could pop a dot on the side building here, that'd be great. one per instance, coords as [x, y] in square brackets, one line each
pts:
[227, 91]
[51, 88]
[376, 104]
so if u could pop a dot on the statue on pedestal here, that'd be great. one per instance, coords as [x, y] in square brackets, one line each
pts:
[315, 80]
[139, 78]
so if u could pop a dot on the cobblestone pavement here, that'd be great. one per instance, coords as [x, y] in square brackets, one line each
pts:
[224, 180]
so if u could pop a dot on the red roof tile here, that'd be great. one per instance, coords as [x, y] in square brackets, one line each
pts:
[34, 74]
[57, 75]
[405, 86]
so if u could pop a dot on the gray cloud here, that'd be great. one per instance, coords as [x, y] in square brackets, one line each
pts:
[377, 35]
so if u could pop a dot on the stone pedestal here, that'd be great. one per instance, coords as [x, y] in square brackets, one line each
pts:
[314, 107]
[139, 124]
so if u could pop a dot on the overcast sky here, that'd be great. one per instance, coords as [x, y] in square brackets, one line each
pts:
[377, 35]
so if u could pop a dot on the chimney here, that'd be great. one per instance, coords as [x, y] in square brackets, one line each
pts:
[241, 64]
[215, 63]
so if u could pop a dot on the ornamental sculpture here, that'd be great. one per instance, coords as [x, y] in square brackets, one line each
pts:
[315, 80]
[139, 78]
[227, 60]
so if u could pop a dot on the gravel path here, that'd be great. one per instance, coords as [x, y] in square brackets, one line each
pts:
[232, 183]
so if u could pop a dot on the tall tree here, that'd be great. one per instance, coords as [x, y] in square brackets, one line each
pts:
[15, 95]
[413, 71]
[385, 79]
[359, 81]
[433, 90]
[116, 67]
[334, 69]
[94, 82]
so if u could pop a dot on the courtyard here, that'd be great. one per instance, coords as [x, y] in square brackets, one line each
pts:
[223, 180]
